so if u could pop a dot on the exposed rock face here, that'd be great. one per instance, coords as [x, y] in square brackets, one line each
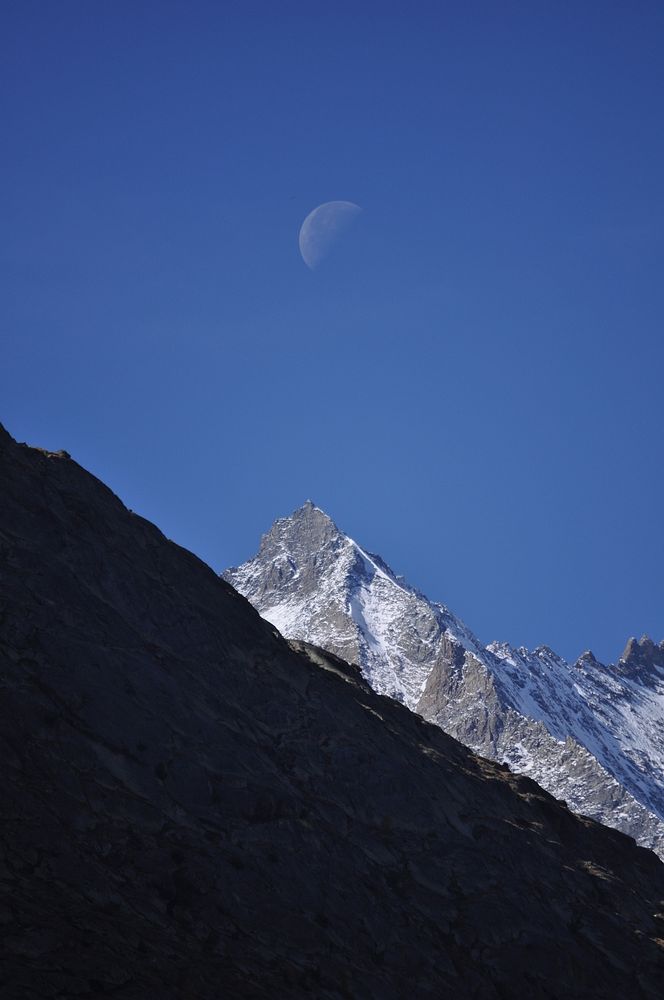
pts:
[642, 656]
[590, 734]
[191, 808]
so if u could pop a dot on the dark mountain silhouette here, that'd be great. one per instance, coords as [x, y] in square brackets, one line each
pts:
[193, 808]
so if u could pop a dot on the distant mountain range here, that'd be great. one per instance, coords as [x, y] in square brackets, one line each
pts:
[591, 734]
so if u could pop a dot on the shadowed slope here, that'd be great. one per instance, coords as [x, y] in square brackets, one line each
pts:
[192, 808]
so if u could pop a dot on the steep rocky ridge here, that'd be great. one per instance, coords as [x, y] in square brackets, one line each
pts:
[590, 734]
[191, 808]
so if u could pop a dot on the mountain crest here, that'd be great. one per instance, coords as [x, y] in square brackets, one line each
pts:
[642, 655]
[305, 520]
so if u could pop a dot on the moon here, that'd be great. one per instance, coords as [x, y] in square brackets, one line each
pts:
[322, 227]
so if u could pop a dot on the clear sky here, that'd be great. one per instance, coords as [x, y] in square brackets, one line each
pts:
[470, 383]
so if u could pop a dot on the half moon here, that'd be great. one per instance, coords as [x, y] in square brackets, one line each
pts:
[322, 227]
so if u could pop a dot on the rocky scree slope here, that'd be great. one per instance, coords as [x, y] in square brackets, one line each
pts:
[590, 734]
[192, 808]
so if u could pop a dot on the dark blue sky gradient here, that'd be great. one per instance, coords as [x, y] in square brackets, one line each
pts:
[471, 383]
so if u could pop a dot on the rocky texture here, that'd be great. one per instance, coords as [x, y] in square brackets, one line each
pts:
[590, 734]
[640, 656]
[191, 808]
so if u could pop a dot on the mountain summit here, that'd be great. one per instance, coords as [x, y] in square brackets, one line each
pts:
[591, 734]
[315, 583]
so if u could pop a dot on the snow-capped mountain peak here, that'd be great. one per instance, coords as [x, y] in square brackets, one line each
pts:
[589, 733]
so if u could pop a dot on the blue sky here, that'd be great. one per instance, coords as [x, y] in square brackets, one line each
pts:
[470, 383]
